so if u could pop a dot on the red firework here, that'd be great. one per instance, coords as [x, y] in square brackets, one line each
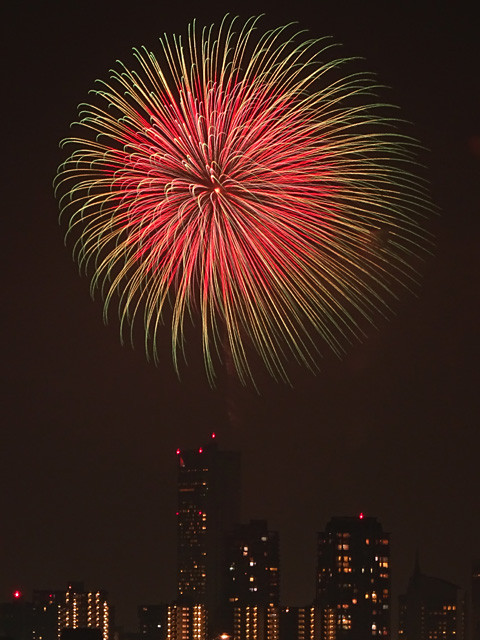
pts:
[243, 181]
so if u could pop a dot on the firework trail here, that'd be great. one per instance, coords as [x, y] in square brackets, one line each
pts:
[242, 180]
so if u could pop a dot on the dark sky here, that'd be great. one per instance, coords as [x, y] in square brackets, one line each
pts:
[87, 454]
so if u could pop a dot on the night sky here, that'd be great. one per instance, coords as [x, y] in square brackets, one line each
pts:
[87, 454]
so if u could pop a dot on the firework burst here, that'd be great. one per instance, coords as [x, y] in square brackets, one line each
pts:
[243, 181]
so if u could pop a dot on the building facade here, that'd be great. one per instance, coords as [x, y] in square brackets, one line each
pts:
[85, 610]
[208, 507]
[255, 622]
[431, 609]
[152, 621]
[300, 623]
[353, 579]
[46, 609]
[53, 615]
[252, 565]
[187, 622]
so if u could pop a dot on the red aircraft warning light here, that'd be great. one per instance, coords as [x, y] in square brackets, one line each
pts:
[17, 594]
[361, 516]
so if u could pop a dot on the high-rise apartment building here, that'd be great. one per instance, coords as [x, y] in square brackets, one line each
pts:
[253, 565]
[353, 579]
[208, 507]
[46, 608]
[187, 622]
[252, 582]
[431, 609]
[299, 623]
[83, 609]
[255, 622]
[56, 614]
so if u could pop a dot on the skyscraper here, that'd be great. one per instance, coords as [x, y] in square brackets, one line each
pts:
[253, 565]
[353, 579]
[431, 608]
[208, 507]
[252, 582]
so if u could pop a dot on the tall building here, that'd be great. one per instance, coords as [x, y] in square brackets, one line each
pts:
[252, 582]
[54, 615]
[431, 609]
[253, 565]
[299, 623]
[82, 609]
[208, 507]
[353, 579]
[46, 608]
[16, 618]
[255, 622]
[187, 622]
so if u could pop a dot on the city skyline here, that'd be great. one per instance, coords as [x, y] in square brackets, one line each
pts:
[352, 597]
[87, 458]
[352, 565]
